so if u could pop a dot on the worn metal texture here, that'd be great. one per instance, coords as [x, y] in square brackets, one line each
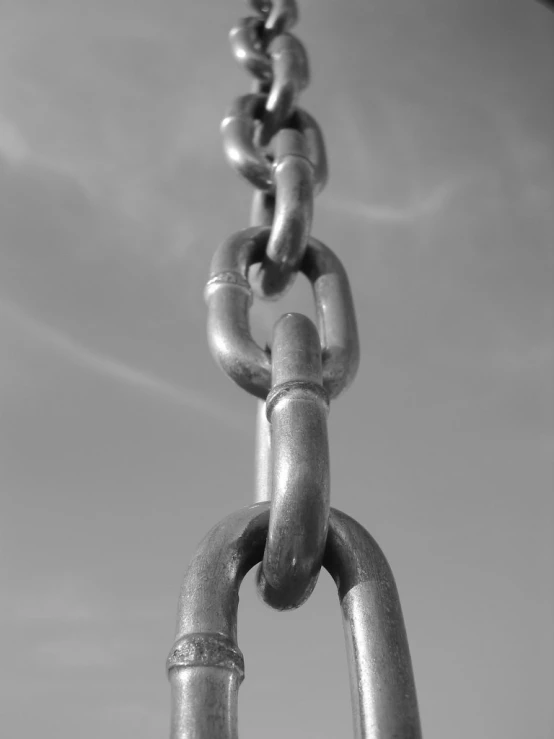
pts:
[204, 690]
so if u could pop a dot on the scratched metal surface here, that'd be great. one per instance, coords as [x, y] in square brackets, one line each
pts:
[121, 443]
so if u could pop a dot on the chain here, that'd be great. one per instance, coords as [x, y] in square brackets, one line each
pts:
[279, 148]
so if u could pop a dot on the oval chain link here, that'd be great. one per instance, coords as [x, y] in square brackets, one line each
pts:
[229, 297]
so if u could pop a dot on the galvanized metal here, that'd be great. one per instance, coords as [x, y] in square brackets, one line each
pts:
[229, 296]
[206, 666]
[297, 409]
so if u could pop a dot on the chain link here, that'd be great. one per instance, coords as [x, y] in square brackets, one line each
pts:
[229, 297]
[279, 149]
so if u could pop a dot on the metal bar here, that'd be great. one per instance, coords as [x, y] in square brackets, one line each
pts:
[263, 472]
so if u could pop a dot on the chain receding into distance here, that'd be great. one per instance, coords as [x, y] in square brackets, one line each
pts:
[291, 530]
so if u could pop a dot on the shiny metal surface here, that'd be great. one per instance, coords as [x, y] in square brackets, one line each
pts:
[247, 45]
[205, 665]
[262, 211]
[291, 75]
[238, 131]
[306, 124]
[229, 296]
[382, 687]
[292, 218]
[262, 456]
[294, 205]
[297, 409]
[281, 63]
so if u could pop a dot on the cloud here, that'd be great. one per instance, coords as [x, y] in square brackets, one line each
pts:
[66, 346]
[13, 147]
[427, 205]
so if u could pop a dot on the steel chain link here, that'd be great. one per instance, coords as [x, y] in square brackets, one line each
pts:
[279, 148]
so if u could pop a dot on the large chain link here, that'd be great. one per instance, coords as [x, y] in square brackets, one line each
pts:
[279, 148]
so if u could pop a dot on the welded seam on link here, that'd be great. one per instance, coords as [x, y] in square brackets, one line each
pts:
[298, 389]
[229, 277]
[206, 650]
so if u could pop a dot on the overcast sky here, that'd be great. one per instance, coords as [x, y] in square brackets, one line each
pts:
[121, 442]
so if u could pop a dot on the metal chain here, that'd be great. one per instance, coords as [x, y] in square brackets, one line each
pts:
[275, 145]
[279, 148]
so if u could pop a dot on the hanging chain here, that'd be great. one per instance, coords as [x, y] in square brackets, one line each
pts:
[279, 148]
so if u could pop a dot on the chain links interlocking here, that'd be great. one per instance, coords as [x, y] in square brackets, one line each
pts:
[275, 145]
[279, 148]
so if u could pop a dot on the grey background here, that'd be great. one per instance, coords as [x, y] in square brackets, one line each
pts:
[121, 443]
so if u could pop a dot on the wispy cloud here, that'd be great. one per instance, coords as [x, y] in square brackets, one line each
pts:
[425, 206]
[112, 368]
[13, 146]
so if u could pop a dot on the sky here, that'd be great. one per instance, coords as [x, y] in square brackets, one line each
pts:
[122, 443]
